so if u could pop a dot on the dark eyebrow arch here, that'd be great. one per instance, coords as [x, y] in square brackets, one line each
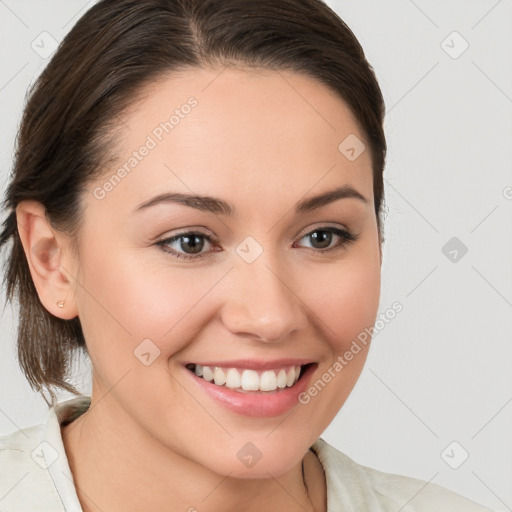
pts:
[220, 207]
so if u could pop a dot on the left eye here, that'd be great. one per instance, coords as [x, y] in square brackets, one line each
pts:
[186, 241]
[190, 245]
[324, 237]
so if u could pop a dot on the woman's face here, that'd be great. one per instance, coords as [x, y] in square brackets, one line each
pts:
[242, 290]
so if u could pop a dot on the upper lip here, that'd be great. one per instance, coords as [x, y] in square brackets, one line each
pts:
[255, 364]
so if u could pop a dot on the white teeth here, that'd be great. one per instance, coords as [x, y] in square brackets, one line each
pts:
[249, 380]
[281, 379]
[290, 379]
[207, 373]
[233, 379]
[268, 381]
[219, 376]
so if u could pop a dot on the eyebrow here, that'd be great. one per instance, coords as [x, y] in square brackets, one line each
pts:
[221, 207]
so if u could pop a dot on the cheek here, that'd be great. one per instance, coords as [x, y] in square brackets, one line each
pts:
[346, 305]
[345, 298]
[125, 302]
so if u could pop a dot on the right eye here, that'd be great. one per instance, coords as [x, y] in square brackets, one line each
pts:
[187, 245]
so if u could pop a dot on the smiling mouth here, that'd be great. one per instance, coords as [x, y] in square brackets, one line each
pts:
[240, 379]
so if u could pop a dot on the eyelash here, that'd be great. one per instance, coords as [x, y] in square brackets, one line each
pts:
[346, 236]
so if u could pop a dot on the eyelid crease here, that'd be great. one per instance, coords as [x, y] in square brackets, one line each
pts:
[320, 227]
[186, 231]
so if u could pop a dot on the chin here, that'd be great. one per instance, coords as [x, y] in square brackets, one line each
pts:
[259, 457]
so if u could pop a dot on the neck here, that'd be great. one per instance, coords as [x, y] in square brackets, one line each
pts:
[104, 446]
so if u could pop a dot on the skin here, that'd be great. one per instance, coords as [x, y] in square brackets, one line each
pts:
[261, 140]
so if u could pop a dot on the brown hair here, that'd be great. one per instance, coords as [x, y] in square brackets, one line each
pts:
[116, 48]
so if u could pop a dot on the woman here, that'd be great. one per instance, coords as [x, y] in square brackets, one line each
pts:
[196, 205]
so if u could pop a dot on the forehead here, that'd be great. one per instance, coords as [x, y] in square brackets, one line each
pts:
[253, 130]
[260, 100]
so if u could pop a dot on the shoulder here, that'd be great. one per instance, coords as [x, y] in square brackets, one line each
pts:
[359, 488]
[25, 482]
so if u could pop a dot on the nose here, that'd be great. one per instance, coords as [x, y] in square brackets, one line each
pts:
[262, 303]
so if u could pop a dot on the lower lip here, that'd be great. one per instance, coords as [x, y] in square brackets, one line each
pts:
[263, 404]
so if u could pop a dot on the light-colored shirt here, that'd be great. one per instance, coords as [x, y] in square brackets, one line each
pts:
[35, 475]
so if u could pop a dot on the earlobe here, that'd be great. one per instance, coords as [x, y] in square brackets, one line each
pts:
[44, 252]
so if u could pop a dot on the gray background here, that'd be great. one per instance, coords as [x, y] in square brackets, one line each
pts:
[439, 374]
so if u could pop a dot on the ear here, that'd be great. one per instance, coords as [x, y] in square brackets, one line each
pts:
[45, 251]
